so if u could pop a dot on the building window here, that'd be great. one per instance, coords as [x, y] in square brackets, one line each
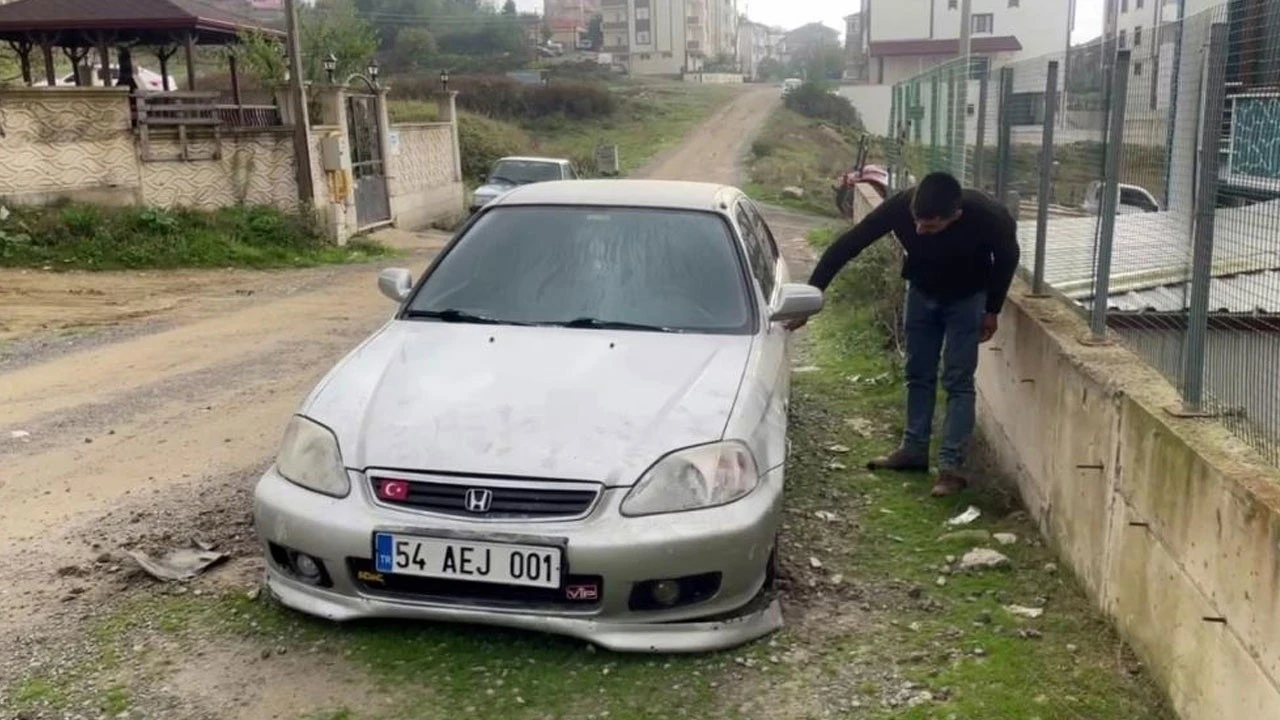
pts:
[1137, 69]
[1137, 4]
[951, 4]
[983, 23]
[645, 56]
[1014, 3]
[1137, 36]
[667, 56]
[1124, 6]
[1124, 39]
[642, 38]
[979, 67]
[642, 13]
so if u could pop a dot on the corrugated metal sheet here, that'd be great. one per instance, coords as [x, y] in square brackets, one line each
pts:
[1151, 259]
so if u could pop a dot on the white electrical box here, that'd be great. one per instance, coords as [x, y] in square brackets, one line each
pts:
[334, 154]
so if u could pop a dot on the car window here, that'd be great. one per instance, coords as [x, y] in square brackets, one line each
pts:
[762, 229]
[569, 173]
[1130, 196]
[762, 264]
[672, 269]
[520, 172]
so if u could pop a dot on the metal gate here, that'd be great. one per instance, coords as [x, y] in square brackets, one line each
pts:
[368, 167]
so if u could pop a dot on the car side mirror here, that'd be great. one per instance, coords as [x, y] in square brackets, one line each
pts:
[796, 301]
[395, 283]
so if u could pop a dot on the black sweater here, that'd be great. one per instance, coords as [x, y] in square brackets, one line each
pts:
[979, 251]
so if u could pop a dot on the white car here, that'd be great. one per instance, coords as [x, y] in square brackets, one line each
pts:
[1133, 199]
[511, 172]
[790, 84]
[146, 79]
[575, 422]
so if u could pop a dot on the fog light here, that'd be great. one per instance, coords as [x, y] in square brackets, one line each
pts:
[666, 592]
[307, 567]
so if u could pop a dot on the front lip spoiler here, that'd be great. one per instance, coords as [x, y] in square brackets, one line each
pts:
[761, 617]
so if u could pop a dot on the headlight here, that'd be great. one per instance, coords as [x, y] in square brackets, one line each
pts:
[309, 457]
[695, 478]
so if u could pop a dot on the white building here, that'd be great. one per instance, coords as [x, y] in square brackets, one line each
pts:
[902, 38]
[668, 37]
[754, 47]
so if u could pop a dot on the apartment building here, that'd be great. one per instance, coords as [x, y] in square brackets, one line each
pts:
[898, 39]
[756, 43]
[668, 37]
[569, 19]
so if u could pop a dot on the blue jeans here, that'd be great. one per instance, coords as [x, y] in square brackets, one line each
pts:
[950, 331]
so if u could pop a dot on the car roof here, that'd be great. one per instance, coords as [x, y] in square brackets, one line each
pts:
[524, 158]
[670, 194]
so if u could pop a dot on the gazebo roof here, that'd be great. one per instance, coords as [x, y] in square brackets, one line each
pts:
[148, 22]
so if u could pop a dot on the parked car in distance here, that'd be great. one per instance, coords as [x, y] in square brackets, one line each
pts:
[511, 172]
[790, 84]
[1133, 199]
[575, 422]
[146, 79]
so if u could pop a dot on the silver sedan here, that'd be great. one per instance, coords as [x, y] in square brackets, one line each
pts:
[575, 422]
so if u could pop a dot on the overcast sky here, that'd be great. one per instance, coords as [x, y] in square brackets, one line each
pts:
[794, 13]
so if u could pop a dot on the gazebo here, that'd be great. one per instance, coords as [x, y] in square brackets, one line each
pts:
[81, 27]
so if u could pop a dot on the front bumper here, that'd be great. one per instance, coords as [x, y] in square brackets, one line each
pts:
[735, 541]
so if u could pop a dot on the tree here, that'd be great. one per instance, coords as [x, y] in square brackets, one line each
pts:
[509, 8]
[415, 48]
[819, 62]
[330, 26]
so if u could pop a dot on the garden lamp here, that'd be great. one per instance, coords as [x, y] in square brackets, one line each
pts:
[330, 65]
[444, 80]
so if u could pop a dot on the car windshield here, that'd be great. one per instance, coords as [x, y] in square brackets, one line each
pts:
[632, 268]
[520, 172]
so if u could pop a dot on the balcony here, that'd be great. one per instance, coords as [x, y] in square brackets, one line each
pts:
[613, 49]
[621, 25]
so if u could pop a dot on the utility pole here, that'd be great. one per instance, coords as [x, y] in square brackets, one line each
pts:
[298, 94]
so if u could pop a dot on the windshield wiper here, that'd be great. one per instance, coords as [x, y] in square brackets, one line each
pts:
[460, 316]
[502, 179]
[598, 324]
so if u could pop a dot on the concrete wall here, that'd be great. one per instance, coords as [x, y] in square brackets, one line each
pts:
[874, 103]
[1172, 525]
[713, 78]
[77, 144]
[424, 185]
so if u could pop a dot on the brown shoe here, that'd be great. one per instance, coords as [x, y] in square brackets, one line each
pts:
[948, 483]
[900, 460]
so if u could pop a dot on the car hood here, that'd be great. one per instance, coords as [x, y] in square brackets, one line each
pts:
[494, 189]
[556, 403]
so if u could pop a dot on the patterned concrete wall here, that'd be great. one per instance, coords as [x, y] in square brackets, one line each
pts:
[255, 168]
[424, 186]
[66, 142]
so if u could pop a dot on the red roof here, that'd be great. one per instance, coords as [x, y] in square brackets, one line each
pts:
[897, 48]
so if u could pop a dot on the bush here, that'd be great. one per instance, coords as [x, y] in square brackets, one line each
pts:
[108, 238]
[498, 96]
[482, 140]
[811, 100]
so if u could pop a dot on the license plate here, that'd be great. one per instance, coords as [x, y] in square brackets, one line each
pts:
[498, 563]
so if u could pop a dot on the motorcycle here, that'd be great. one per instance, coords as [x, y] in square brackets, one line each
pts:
[861, 173]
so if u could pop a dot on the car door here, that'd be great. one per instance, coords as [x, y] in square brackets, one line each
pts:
[769, 370]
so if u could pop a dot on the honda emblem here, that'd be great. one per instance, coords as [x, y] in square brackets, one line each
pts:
[478, 500]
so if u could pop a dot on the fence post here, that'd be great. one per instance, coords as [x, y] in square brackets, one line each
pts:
[979, 145]
[951, 124]
[1046, 176]
[1004, 131]
[1206, 205]
[1110, 196]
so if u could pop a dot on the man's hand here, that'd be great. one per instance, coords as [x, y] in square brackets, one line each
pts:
[990, 324]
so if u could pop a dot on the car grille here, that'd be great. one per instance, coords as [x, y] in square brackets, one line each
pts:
[464, 592]
[505, 502]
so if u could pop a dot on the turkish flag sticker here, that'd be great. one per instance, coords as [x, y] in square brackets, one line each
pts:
[397, 490]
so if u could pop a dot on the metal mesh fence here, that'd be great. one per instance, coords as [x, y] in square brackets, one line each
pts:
[1144, 170]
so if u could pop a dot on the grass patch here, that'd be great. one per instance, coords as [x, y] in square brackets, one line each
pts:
[796, 151]
[78, 236]
[38, 691]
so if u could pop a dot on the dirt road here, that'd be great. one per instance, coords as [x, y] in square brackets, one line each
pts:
[150, 430]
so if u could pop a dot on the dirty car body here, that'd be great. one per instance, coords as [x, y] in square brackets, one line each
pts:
[575, 422]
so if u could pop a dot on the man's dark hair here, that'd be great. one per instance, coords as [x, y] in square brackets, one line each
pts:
[937, 196]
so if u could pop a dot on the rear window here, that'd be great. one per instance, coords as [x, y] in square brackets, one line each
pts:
[671, 269]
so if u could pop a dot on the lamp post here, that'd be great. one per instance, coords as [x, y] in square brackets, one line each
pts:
[330, 65]
[444, 80]
[373, 71]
